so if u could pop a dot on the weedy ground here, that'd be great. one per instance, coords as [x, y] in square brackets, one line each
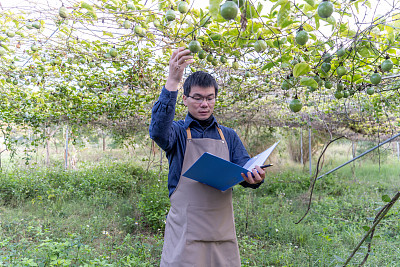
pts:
[111, 212]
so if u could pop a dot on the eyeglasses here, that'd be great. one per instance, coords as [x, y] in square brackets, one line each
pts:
[199, 99]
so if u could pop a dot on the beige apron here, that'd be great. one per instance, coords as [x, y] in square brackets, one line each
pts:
[200, 229]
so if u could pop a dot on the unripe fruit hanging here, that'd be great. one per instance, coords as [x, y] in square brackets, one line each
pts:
[229, 10]
[301, 37]
[325, 9]
[170, 15]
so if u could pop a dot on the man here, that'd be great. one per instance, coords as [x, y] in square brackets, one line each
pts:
[200, 228]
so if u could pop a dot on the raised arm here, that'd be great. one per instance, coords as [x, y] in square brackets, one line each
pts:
[161, 128]
[180, 59]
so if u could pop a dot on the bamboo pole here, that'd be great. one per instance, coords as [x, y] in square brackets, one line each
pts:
[66, 148]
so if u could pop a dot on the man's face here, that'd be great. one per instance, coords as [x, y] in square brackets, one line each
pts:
[200, 102]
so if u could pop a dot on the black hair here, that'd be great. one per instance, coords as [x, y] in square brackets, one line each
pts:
[199, 78]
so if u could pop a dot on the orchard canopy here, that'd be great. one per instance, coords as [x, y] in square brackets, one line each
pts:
[333, 65]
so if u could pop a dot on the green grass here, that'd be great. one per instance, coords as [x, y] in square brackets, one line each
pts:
[112, 214]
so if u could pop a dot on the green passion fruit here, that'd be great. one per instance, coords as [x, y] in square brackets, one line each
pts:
[340, 71]
[235, 65]
[170, 15]
[260, 46]
[295, 105]
[328, 84]
[301, 37]
[325, 9]
[194, 46]
[285, 85]
[338, 94]
[339, 86]
[62, 12]
[139, 30]
[375, 78]
[183, 7]
[229, 10]
[202, 54]
[223, 59]
[127, 24]
[113, 52]
[341, 52]
[326, 67]
[387, 65]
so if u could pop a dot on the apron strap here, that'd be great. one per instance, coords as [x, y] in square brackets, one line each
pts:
[189, 134]
[221, 134]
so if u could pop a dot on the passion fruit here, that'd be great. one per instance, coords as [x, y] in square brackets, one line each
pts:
[202, 54]
[183, 7]
[62, 12]
[301, 37]
[113, 52]
[295, 105]
[229, 10]
[325, 9]
[260, 46]
[194, 46]
[170, 15]
[375, 78]
[387, 65]
[341, 71]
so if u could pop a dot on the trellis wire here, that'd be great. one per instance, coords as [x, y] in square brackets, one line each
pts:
[359, 156]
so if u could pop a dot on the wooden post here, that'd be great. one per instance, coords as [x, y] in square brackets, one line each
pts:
[398, 151]
[104, 142]
[66, 148]
[353, 148]
[309, 148]
[301, 146]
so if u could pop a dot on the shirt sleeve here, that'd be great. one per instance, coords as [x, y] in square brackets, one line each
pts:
[161, 127]
[240, 156]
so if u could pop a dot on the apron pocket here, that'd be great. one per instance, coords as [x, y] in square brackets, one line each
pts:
[210, 223]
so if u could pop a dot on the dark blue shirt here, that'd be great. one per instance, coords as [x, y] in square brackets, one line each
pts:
[171, 136]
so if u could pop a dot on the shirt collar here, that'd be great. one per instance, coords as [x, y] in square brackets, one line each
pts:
[189, 121]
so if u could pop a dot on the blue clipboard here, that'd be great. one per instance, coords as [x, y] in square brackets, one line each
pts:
[222, 174]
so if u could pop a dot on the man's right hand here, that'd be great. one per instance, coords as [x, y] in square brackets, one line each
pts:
[180, 59]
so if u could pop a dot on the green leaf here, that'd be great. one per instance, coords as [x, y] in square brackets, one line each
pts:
[366, 228]
[316, 18]
[283, 14]
[92, 14]
[251, 12]
[259, 7]
[214, 8]
[86, 6]
[331, 20]
[310, 2]
[307, 27]
[301, 69]
[268, 66]
[357, 77]
[108, 34]
[364, 52]
[280, 2]
[307, 81]
[386, 198]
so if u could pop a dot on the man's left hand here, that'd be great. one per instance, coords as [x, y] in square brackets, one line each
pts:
[257, 177]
